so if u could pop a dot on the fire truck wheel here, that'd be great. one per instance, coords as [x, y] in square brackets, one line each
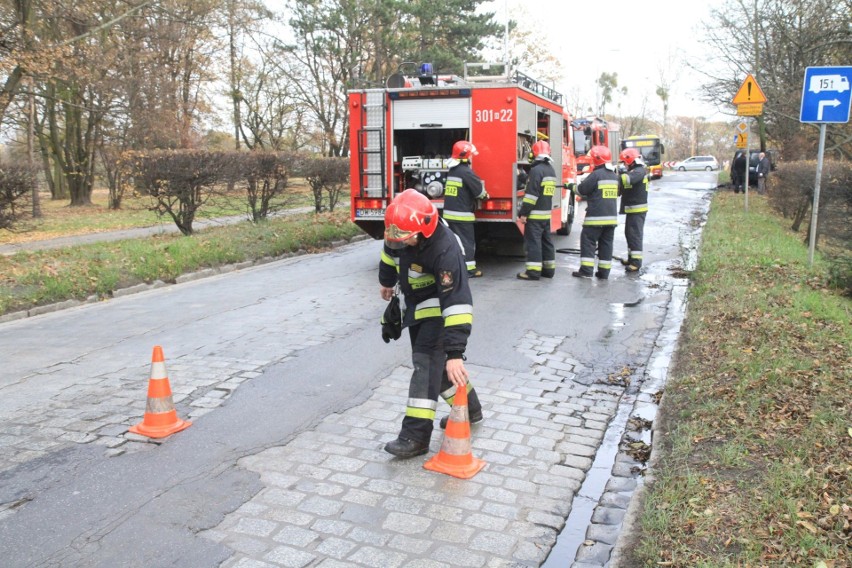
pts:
[565, 229]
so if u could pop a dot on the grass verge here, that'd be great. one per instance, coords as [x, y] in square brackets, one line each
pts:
[29, 279]
[754, 467]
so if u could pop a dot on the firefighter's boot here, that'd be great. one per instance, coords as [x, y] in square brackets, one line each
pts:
[548, 272]
[581, 274]
[528, 275]
[405, 448]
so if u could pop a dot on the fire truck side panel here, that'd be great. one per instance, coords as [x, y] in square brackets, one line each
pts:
[423, 132]
[413, 114]
[555, 134]
[495, 119]
[368, 148]
[546, 120]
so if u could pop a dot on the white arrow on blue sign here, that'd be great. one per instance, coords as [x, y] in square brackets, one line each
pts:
[826, 94]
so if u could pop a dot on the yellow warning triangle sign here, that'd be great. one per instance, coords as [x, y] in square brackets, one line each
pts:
[750, 92]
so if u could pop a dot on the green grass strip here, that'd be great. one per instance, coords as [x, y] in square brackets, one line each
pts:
[755, 460]
[36, 278]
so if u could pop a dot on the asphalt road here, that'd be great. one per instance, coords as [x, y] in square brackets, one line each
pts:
[292, 395]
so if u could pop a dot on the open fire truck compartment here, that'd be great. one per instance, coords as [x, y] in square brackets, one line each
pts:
[402, 137]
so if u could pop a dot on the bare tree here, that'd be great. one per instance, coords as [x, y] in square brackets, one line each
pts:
[776, 40]
[242, 19]
[530, 52]
[607, 85]
[272, 118]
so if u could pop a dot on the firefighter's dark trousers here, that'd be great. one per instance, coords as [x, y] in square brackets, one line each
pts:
[541, 254]
[634, 232]
[465, 232]
[596, 238]
[429, 380]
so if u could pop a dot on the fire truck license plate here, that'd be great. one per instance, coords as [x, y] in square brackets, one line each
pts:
[370, 213]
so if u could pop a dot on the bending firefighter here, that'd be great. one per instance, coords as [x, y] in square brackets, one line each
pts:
[633, 189]
[600, 191]
[461, 191]
[424, 256]
[535, 215]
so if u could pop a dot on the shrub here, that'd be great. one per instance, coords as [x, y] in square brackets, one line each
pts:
[16, 187]
[265, 175]
[326, 176]
[792, 192]
[180, 182]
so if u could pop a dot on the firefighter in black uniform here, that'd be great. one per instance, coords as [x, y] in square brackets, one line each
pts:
[535, 215]
[633, 189]
[424, 257]
[600, 191]
[461, 191]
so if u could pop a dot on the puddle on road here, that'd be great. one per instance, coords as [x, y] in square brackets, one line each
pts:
[618, 311]
[583, 507]
[641, 406]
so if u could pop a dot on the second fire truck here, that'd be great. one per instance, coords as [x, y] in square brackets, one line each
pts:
[402, 136]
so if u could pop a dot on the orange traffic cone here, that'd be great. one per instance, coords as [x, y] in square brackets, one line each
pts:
[455, 457]
[160, 418]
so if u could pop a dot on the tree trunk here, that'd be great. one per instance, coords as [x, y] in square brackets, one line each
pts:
[235, 88]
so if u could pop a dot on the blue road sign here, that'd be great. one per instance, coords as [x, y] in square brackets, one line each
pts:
[826, 94]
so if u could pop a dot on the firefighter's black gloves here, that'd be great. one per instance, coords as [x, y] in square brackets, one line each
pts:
[390, 332]
[392, 321]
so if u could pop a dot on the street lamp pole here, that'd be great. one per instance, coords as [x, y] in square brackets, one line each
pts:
[692, 141]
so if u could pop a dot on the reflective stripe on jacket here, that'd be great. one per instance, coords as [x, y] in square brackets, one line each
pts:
[600, 190]
[633, 189]
[436, 284]
[462, 189]
[537, 204]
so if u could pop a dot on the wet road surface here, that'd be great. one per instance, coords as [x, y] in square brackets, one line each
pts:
[293, 394]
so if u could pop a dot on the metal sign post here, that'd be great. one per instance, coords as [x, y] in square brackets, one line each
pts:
[815, 207]
[826, 98]
[747, 164]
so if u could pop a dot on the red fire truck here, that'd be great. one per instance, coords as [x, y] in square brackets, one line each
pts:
[594, 131]
[402, 137]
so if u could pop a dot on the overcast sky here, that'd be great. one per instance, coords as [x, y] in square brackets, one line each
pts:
[632, 38]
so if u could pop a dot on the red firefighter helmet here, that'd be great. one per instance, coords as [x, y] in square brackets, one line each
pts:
[540, 150]
[628, 156]
[463, 150]
[408, 214]
[600, 155]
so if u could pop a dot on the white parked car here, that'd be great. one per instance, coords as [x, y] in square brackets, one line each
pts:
[697, 163]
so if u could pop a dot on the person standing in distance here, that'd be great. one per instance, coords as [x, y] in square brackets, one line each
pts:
[763, 167]
[600, 191]
[424, 257]
[461, 192]
[738, 171]
[633, 189]
[535, 215]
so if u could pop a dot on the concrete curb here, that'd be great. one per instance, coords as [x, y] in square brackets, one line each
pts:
[637, 501]
[188, 277]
